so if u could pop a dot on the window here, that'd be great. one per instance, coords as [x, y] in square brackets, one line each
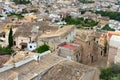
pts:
[101, 53]
[14, 42]
[89, 55]
[30, 39]
[78, 54]
[4, 35]
[66, 38]
[12, 19]
[94, 39]
[88, 44]
[30, 46]
[97, 41]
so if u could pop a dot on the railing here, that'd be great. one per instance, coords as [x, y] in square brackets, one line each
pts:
[6, 67]
[20, 63]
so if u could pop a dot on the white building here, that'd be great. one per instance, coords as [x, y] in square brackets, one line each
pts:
[31, 46]
[114, 45]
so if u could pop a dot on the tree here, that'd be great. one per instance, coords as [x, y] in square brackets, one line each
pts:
[43, 48]
[10, 38]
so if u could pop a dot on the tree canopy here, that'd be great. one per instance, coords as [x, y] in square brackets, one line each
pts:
[81, 21]
[110, 14]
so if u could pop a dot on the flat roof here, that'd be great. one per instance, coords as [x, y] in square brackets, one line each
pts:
[111, 33]
[69, 46]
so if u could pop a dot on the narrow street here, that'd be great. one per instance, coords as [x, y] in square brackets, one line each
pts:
[101, 63]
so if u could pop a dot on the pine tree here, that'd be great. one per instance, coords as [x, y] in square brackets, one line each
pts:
[10, 38]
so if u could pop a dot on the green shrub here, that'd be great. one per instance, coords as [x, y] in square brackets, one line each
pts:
[19, 16]
[86, 1]
[112, 73]
[35, 10]
[43, 48]
[6, 50]
[107, 28]
[21, 1]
